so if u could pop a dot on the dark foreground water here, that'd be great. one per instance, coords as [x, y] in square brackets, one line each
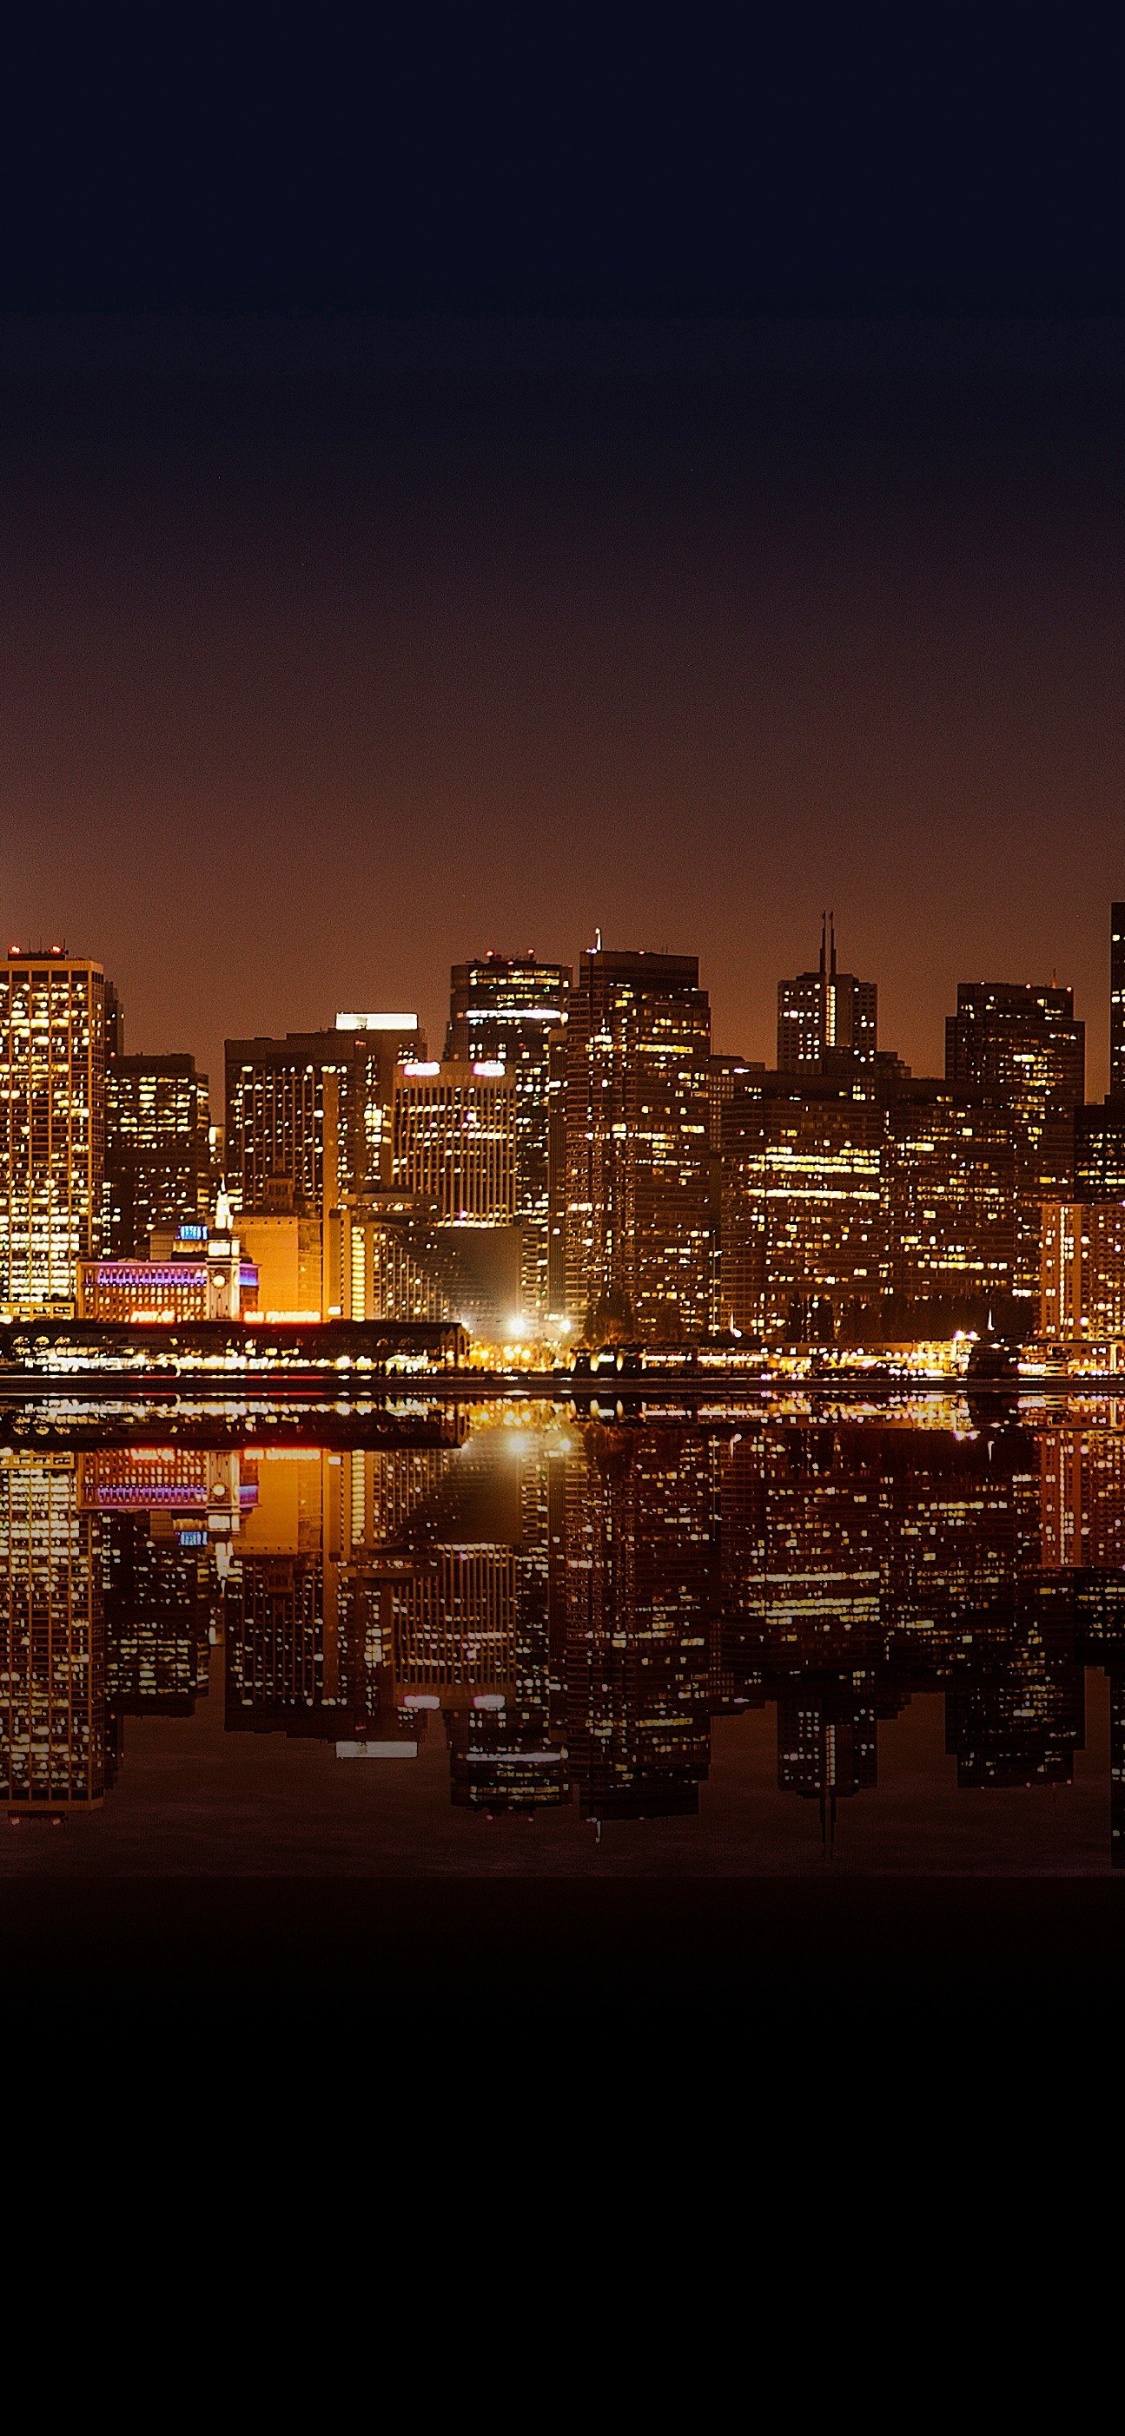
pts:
[427, 1642]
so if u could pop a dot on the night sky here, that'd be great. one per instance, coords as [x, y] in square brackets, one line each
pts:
[443, 562]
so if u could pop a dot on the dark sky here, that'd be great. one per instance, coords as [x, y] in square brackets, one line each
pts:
[466, 495]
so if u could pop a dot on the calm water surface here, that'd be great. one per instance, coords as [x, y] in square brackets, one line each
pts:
[513, 1641]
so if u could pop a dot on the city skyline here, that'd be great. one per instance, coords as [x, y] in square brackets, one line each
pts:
[336, 657]
[436, 1032]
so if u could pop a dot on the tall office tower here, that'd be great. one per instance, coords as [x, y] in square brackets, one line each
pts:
[512, 1011]
[157, 1149]
[1020, 1044]
[53, 1745]
[1117, 1002]
[825, 1013]
[307, 1117]
[949, 1202]
[52, 1125]
[455, 1139]
[455, 1157]
[637, 1214]
[802, 1221]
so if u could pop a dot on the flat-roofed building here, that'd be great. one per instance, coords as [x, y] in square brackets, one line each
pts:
[1019, 1043]
[455, 1139]
[949, 1195]
[308, 1117]
[1082, 1271]
[802, 1214]
[1099, 1151]
[512, 1011]
[638, 1214]
[53, 1034]
[157, 1148]
[286, 1249]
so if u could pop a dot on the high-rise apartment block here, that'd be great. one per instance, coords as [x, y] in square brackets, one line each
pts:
[637, 1209]
[53, 1010]
[825, 1014]
[157, 1149]
[512, 1011]
[308, 1117]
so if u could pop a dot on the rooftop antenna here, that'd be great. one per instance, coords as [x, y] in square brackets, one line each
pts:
[598, 941]
[832, 934]
[823, 944]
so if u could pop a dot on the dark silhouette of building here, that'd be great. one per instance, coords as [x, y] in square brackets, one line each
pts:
[1099, 1151]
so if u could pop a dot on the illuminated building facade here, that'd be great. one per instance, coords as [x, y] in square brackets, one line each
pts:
[825, 1014]
[157, 1148]
[512, 1011]
[307, 1117]
[455, 1139]
[638, 1222]
[53, 1018]
[802, 1210]
[1021, 1045]
[949, 1197]
[1082, 1275]
[196, 1272]
[287, 1250]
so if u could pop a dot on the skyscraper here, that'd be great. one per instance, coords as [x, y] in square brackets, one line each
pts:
[157, 1149]
[1117, 1002]
[454, 1139]
[802, 1219]
[637, 1208]
[307, 1117]
[52, 1124]
[1019, 1044]
[822, 1014]
[512, 1011]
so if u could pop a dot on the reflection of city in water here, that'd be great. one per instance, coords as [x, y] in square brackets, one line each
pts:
[568, 1605]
